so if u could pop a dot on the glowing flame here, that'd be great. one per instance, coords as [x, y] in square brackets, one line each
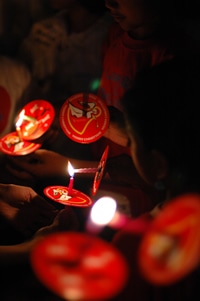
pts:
[70, 169]
[20, 120]
[103, 211]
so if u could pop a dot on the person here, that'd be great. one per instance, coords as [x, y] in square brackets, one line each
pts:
[14, 81]
[141, 36]
[64, 52]
[25, 216]
[165, 150]
[25, 219]
[144, 34]
[164, 143]
[17, 18]
[83, 26]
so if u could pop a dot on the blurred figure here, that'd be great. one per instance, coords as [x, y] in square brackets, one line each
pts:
[17, 17]
[14, 80]
[64, 52]
[164, 134]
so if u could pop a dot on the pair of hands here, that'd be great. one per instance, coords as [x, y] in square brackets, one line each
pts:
[42, 45]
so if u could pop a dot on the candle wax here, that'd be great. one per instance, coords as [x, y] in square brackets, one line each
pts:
[71, 182]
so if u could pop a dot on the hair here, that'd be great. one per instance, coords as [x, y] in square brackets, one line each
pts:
[162, 108]
[94, 6]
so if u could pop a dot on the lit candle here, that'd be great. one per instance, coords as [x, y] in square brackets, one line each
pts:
[71, 180]
[86, 170]
[18, 124]
[104, 212]
[101, 214]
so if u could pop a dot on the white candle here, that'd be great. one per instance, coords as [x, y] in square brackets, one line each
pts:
[71, 180]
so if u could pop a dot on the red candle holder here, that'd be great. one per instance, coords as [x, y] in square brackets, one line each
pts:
[78, 266]
[11, 144]
[100, 171]
[170, 247]
[38, 117]
[84, 118]
[60, 194]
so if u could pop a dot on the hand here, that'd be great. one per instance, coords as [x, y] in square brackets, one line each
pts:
[65, 220]
[117, 134]
[40, 164]
[42, 46]
[16, 195]
[116, 131]
[24, 209]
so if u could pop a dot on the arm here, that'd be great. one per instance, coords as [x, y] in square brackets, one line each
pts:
[44, 164]
[116, 131]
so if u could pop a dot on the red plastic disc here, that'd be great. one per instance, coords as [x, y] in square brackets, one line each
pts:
[99, 173]
[170, 248]
[78, 266]
[4, 109]
[38, 117]
[84, 118]
[12, 145]
[60, 195]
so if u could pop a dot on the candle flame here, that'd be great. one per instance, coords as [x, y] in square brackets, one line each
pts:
[20, 119]
[70, 169]
[103, 210]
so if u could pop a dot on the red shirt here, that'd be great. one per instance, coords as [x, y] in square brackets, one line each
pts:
[124, 57]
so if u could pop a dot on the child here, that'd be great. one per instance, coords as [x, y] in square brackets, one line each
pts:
[145, 34]
[165, 151]
[142, 38]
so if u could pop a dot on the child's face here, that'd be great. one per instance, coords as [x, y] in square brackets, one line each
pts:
[130, 14]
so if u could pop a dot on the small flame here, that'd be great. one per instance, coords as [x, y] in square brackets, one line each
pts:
[103, 211]
[20, 119]
[70, 169]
